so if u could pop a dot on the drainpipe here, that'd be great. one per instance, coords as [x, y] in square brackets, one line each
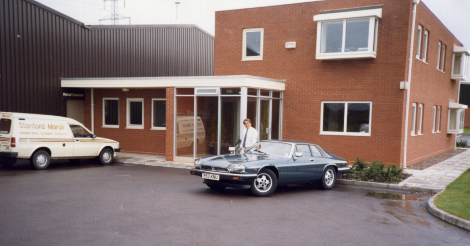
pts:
[92, 112]
[408, 86]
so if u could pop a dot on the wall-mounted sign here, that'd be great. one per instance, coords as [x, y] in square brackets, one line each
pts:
[73, 93]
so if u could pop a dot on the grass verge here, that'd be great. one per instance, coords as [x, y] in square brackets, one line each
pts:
[456, 198]
[466, 131]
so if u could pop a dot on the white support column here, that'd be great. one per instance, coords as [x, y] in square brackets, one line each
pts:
[243, 106]
[92, 111]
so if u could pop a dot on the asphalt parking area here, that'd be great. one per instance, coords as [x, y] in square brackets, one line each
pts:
[123, 204]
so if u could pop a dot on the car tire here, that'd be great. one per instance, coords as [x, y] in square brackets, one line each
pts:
[7, 162]
[40, 160]
[216, 186]
[328, 179]
[106, 156]
[265, 183]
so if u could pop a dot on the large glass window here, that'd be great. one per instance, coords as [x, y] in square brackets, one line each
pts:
[347, 38]
[230, 123]
[111, 112]
[253, 44]
[135, 113]
[348, 118]
[207, 128]
[185, 127]
[158, 113]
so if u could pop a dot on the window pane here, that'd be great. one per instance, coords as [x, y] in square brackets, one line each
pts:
[457, 59]
[159, 113]
[251, 111]
[357, 35]
[231, 91]
[333, 117]
[253, 43]
[5, 125]
[331, 36]
[315, 151]
[305, 150]
[111, 112]
[358, 117]
[135, 113]
[275, 118]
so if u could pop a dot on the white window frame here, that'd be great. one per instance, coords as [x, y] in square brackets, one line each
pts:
[253, 58]
[438, 119]
[456, 117]
[344, 132]
[462, 55]
[434, 119]
[374, 14]
[420, 118]
[128, 114]
[420, 35]
[443, 59]
[104, 113]
[425, 46]
[413, 120]
[439, 49]
[154, 127]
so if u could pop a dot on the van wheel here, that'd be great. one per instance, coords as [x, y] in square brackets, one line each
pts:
[40, 160]
[7, 162]
[106, 156]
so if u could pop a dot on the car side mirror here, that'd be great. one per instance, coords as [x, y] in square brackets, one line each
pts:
[93, 136]
[299, 154]
[231, 150]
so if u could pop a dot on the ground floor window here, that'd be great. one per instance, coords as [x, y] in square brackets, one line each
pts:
[159, 114]
[111, 112]
[135, 113]
[346, 118]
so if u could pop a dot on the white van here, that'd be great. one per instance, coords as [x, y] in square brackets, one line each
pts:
[41, 138]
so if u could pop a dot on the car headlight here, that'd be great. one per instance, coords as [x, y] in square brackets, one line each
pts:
[236, 168]
[197, 163]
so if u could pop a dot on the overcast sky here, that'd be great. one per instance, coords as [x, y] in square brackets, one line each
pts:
[455, 14]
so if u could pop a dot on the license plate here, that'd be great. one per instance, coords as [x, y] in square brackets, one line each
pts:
[210, 176]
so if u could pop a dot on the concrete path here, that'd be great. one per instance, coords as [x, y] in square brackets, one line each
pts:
[440, 175]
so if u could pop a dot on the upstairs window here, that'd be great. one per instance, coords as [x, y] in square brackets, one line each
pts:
[350, 33]
[418, 49]
[253, 44]
[425, 45]
[441, 56]
[460, 63]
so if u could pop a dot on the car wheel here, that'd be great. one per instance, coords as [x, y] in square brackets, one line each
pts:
[216, 186]
[7, 162]
[328, 178]
[106, 156]
[40, 160]
[265, 183]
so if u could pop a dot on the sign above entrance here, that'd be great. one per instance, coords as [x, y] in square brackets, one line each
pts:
[73, 93]
[207, 91]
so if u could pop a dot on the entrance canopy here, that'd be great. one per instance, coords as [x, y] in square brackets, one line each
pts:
[162, 82]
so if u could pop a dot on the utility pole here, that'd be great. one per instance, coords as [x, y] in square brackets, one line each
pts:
[114, 16]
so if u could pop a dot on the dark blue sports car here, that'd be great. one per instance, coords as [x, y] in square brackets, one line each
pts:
[269, 164]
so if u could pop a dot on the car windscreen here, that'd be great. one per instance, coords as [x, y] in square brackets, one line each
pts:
[270, 148]
[5, 125]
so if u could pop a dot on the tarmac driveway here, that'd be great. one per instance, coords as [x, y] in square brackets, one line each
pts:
[120, 204]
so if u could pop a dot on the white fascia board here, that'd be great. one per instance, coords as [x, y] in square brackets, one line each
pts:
[349, 15]
[163, 82]
[458, 49]
[457, 105]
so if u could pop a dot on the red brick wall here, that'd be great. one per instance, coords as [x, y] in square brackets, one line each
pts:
[170, 118]
[144, 141]
[432, 88]
[311, 81]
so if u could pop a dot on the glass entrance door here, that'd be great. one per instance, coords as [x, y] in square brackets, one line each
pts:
[264, 129]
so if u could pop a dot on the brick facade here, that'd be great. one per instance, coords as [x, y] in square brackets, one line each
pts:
[311, 81]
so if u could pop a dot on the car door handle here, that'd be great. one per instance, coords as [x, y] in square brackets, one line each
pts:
[311, 159]
[77, 140]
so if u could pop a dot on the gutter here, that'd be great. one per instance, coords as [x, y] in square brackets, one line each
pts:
[408, 83]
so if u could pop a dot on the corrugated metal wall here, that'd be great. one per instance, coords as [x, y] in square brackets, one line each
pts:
[38, 46]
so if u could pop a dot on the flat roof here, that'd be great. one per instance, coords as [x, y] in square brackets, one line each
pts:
[186, 81]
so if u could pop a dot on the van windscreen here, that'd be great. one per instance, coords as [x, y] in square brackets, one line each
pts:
[5, 125]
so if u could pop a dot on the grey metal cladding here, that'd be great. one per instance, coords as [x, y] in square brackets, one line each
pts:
[39, 45]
